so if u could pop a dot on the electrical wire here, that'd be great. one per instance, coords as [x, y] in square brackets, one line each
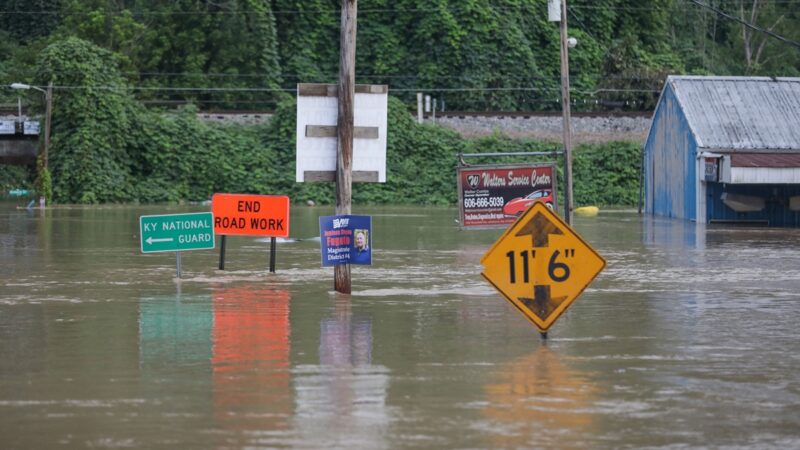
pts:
[451, 8]
[416, 89]
[747, 24]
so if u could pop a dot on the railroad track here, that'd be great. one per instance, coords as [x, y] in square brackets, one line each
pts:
[11, 111]
[498, 114]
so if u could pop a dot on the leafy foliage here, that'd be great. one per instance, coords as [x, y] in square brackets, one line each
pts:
[26, 20]
[107, 148]
[469, 54]
[44, 181]
[607, 174]
[14, 177]
[90, 124]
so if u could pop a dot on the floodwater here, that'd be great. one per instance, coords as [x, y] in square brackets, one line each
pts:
[688, 339]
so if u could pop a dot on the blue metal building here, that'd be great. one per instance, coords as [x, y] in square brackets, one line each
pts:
[725, 149]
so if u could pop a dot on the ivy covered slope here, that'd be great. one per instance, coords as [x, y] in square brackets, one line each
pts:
[473, 54]
[106, 147]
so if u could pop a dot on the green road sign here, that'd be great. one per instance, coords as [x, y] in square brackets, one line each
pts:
[177, 232]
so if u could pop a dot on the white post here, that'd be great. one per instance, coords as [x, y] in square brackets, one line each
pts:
[419, 107]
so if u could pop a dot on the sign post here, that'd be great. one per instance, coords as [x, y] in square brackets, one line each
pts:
[345, 125]
[176, 232]
[343, 140]
[541, 265]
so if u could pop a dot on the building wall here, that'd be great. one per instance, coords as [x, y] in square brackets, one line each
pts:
[670, 162]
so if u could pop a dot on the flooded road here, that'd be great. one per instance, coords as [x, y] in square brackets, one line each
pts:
[687, 339]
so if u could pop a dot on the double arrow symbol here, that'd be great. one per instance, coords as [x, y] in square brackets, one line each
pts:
[150, 240]
[542, 304]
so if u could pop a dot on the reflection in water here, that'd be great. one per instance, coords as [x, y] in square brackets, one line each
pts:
[674, 233]
[174, 350]
[345, 342]
[251, 358]
[346, 392]
[538, 401]
[174, 330]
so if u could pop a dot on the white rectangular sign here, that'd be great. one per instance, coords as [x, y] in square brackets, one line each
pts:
[554, 10]
[31, 127]
[317, 112]
[7, 126]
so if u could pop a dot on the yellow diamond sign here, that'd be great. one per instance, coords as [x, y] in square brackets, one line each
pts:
[541, 265]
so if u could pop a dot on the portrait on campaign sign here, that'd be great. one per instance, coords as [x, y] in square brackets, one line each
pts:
[345, 239]
[361, 249]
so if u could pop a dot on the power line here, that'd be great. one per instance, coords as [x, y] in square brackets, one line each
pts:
[451, 8]
[359, 75]
[174, 88]
[417, 89]
[747, 24]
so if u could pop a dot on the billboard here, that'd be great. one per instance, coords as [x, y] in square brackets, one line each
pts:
[494, 196]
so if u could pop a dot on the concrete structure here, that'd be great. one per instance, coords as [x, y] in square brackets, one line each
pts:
[19, 140]
[587, 128]
[725, 149]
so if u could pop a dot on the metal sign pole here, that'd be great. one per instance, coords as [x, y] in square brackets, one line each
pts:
[222, 253]
[273, 249]
[178, 263]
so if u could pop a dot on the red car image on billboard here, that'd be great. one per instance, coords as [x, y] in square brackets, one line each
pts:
[518, 205]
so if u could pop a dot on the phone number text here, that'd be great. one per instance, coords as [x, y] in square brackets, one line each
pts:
[483, 202]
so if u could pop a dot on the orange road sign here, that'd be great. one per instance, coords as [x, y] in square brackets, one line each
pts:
[541, 265]
[251, 215]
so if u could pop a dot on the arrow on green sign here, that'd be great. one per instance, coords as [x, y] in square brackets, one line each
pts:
[151, 240]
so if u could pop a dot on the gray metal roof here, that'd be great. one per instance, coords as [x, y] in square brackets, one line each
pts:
[741, 113]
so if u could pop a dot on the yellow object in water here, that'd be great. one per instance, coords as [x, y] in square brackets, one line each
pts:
[588, 211]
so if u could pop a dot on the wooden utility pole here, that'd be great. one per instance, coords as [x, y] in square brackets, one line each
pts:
[566, 113]
[344, 155]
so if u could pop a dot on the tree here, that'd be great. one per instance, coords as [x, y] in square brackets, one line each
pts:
[27, 20]
[754, 42]
[308, 37]
[91, 122]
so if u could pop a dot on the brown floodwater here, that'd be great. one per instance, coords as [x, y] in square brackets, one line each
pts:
[687, 339]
